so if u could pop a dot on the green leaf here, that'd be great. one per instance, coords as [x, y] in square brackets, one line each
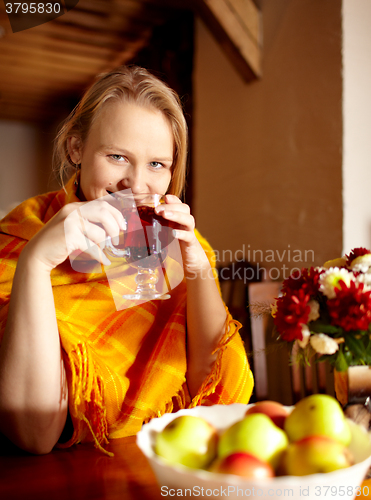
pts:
[319, 327]
[348, 356]
[341, 364]
[356, 346]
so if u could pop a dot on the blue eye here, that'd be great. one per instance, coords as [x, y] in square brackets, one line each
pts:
[116, 157]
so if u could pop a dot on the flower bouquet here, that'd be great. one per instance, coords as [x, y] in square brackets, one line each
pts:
[327, 311]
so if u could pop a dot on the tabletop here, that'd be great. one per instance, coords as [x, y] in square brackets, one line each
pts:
[84, 473]
[79, 473]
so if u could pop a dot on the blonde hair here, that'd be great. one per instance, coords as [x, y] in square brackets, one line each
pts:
[130, 84]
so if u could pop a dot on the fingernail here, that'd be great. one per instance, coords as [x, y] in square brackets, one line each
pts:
[175, 233]
[168, 213]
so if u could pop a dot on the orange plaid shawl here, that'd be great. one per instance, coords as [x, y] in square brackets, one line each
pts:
[123, 367]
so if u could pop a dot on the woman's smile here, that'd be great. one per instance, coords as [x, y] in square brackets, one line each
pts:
[128, 146]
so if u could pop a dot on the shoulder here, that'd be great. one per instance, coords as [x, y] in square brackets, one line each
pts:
[26, 219]
[45, 205]
[35, 205]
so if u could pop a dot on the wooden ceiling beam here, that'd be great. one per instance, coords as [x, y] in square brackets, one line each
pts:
[236, 25]
[102, 22]
[49, 67]
[34, 88]
[166, 4]
[55, 75]
[49, 56]
[111, 29]
[22, 112]
[55, 45]
[26, 101]
[92, 37]
[42, 67]
[139, 10]
[119, 15]
[59, 72]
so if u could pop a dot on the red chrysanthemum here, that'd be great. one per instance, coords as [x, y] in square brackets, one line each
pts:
[351, 308]
[356, 252]
[292, 312]
[306, 280]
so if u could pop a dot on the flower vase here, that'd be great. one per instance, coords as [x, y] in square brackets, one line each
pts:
[353, 386]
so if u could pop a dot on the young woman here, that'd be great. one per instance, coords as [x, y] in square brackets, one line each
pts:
[67, 355]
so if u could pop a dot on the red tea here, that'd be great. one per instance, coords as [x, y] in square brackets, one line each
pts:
[146, 238]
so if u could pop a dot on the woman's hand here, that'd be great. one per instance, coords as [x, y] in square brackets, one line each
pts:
[77, 228]
[195, 261]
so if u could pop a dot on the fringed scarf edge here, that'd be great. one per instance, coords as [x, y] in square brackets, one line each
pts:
[210, 383]
[86, 397]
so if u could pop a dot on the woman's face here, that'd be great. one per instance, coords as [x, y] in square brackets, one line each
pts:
[128, 146]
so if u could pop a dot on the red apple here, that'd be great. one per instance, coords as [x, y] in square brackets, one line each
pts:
[255, 434]
[274, 410]
[314, 454]
[243, 464]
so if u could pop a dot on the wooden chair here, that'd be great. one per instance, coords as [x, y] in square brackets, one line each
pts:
[234, 279]
[277, 376]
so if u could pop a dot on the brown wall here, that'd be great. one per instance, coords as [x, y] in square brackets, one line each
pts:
[25, 162]
[268, 154]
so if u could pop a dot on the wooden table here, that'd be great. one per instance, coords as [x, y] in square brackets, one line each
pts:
[79, 473]
[82, 473]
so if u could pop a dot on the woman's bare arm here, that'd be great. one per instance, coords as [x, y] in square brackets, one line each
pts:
[206, 314]
[33, 388]
[206, 317]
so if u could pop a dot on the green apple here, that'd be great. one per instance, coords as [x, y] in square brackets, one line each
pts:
[275, 411]
[318, 414]
[187, 440]
[242, 464]
[360, 445]
[315, 454]
[255, 434]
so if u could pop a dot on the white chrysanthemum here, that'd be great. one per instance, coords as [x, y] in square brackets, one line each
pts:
[314, 310]
[361, 263]
[306, 334]
[329, 280]
[365, 278]
[323, 344]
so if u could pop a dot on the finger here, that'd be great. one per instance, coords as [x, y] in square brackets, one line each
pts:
[173, 208]
[186, 236]
[185, 220]
[102, 226]
[92, 231]
[75, 226]
[99, 213]
[171, 198]
[79, 232]
[103, 213]
[87, 246]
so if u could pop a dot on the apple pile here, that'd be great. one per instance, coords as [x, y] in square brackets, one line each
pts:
[269, 441]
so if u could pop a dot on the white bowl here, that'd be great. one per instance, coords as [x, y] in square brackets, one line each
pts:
[178, 480]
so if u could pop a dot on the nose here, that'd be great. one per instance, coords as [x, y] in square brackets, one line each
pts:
[135, 180]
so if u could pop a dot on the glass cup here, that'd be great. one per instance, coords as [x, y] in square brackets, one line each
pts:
[144, 243]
